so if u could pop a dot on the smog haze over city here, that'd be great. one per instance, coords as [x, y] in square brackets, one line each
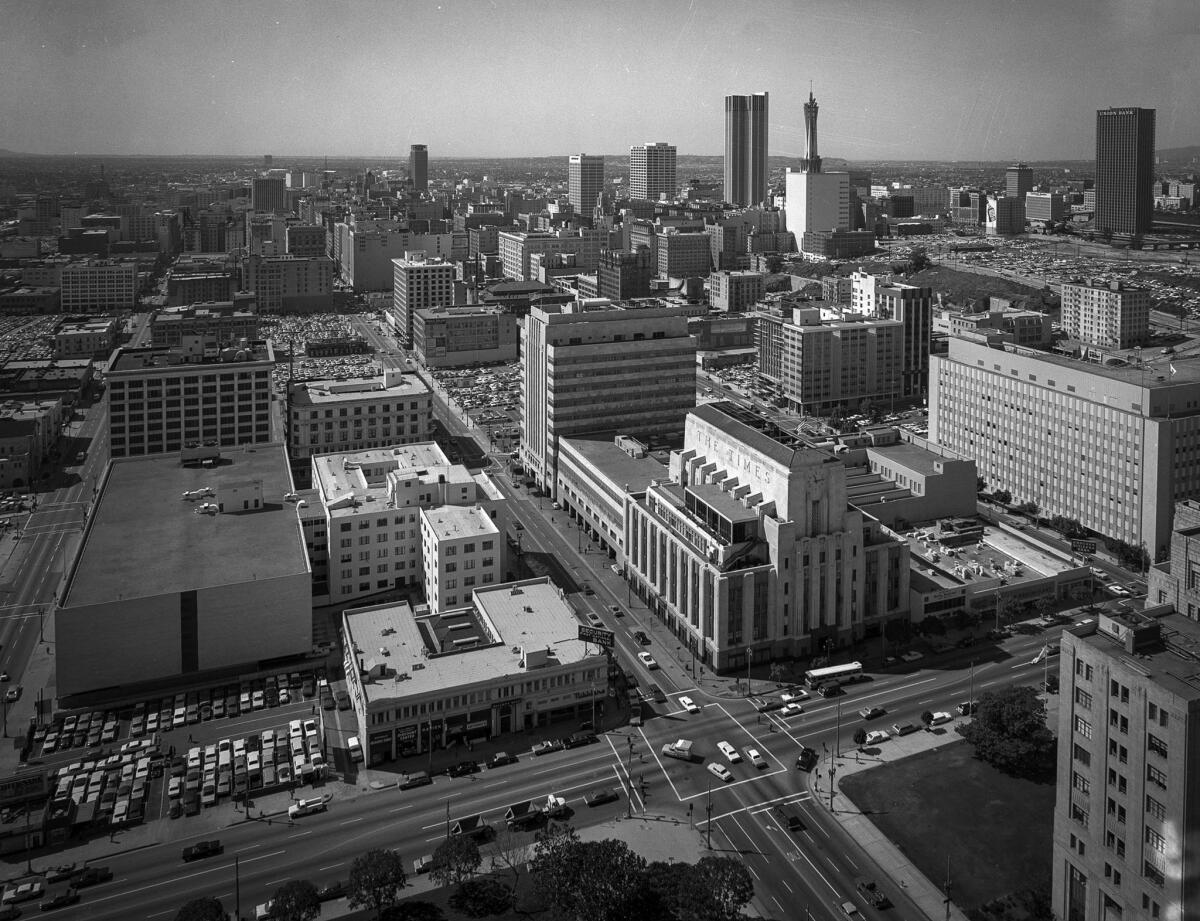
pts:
[903, 79]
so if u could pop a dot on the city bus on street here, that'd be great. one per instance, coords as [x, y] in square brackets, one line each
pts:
[834, 675]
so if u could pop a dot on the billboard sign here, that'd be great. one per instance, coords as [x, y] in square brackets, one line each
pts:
[597, 635]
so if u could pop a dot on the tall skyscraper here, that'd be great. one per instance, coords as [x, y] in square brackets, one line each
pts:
[746, 149]
[268, 194]
[585, 182]
[418, 167]
[812, 160]
[1124, 170]
[652, 171]
[1018, 179]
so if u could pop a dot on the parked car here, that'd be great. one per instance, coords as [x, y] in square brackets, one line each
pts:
[462, 769]
[877, 736]
[600, 796]
[546, 746]
[903, 729]
[940, 717]
[415, 779]
[500, 759]
[577, 739]
[966, 708]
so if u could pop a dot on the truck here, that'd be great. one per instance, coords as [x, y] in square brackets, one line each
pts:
[555, 807]
[681, 749]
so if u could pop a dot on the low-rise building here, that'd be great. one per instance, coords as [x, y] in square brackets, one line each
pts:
[735, 291]
[29, 299]
[330, 416]
[163, 586]
[290, 283]
[29, 431]
[838, 243]
[86, 337]
[219, 321]
[99, 286]
[462, 549]
[504, 663]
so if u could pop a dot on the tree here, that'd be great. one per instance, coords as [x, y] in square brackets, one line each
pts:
[1044, 606]
[455, 860]
[898, 630]
[927, 718]
[585, 880]
[980, 484]
[777, 673]
[1002, 497]
[477, 898]
[413, 910]
[376, 879]
[204, 909]
[918, 260]
[727, 884]
[295, 900]
[860, 736]
[1009, 731]
[509, 851]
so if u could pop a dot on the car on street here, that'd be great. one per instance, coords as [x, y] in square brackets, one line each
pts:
[13, 694]
[1120, 591]
[756, 758]
[731, 754]
[62, 900]
[415, 779]
[462, 769]
[615, 610]
[93, 875]
[600, 796]
[904, 729]
[769, 704]
[876, 736]
[966, 708]
[850, 910]
[647, 660]
[202, 849]
[594, 619]
[578, 739]
[688, 704]
[870, 713]
[500, 759]
[641, 637]
[546, 746]
[911, 656]
[869, 891]
[719, 771]
[791, 709]
[940, 717]
[793, 695]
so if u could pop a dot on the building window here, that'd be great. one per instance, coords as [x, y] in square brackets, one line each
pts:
[1083, 698]
[1080, 783]
[1156, 745]
[1155, 808]
[1083, 727]
[1155, 776]
[1082, 755]
[1083, 670]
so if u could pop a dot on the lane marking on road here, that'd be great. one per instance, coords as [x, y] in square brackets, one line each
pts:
[352, 821]
[785, 885]
[788, 799]
[276, 882]
[214, 869]
[818, 872]
[332, 866]
[776, 901]
[301, 834]
[401, 808]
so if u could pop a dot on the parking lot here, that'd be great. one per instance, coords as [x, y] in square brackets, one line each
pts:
[291, 332]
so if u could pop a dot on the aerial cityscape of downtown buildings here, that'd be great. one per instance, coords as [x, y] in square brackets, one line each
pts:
[779, 533]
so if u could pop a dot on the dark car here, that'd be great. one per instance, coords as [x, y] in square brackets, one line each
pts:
[601, 796]
[62, 900]
[191, 803]
[806, 760]
[462, 769]
[92, 876]
[768, 704]
[966, 708]
[500, 759]
[334, 890]
[415, 779]
[641, 637]
[871, 713]
[868, 890]
[578, 739]
[792, 820]
[201, 850]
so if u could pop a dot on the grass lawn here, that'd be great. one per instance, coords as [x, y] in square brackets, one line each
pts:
[995, 828]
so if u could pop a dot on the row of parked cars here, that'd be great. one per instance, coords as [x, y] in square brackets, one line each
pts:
[235, 767]
[78, 730]
[192, 707]
[118, 784]
[26, 890]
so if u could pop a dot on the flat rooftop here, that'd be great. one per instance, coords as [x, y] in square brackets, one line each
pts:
[531, 616]
[910, 456]
[616, 465]
[1173, 662]
[339, 390]
[144, 539]
[1017, 560]
[451, 522]
[136, 359]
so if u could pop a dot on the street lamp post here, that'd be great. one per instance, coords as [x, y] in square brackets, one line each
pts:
[749, 657]
[708, 821]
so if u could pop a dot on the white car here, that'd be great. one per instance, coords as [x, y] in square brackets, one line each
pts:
[875, 736]
[756, 758]
[720, 772]
[647, 660]
[688, 704]
[940, 717]
[795, 694]
[729, 752]
[1119, 590]
[791, 709]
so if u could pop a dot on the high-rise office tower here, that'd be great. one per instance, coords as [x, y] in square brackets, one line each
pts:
[268, 194]
[1124, 170]
[812, 160]
[652, 171]
[746, 149]
[1018, 179]
[585, 182]
[418, 167]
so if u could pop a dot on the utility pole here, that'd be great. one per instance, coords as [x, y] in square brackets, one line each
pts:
[629, 774]
[708, 822]
[947, 899]
[237, 888]
[837, 739]
[749, 657]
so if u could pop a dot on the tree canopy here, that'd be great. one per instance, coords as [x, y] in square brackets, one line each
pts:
[1009, 731]
[203, 909]
[455, 860]
[295, 900]
[376, 879]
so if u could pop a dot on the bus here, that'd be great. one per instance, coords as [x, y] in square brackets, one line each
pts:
[833, 675]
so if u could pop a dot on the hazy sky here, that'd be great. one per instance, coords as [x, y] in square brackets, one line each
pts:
[929, 79]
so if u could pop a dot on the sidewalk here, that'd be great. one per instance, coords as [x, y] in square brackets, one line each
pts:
[890, 860]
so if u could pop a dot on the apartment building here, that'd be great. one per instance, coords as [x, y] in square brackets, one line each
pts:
[1112, 315]
[29, 431]
[462, 549]
[369, 507]
[1125, 826]
[913, 307]
[516, 247]
[825, 366]
[446, 337]
[98, 286]
[504, 662]
[218, 321]
[1113, 447]
[750, 551]
[1176, 580]
[355, 414]
[683, 255]
[735, 291]
[162, 400]
[623, 275]
[305, 240]
[599, 366]
[418, 282]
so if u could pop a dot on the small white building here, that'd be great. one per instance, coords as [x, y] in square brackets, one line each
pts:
[462, 549]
